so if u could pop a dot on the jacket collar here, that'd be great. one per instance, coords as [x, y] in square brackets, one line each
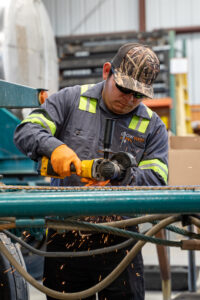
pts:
[141, 111]
[94, 91]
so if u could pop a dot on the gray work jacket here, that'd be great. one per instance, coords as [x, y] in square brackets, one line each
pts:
[76, 117]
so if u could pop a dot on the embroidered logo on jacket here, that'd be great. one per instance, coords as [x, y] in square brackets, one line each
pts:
[126, 137]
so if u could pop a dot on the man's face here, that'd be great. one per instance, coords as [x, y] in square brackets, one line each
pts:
[115, 100]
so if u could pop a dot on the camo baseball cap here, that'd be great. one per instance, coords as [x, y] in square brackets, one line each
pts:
[135, 67]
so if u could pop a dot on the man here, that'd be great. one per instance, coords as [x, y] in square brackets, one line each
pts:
[68, 128]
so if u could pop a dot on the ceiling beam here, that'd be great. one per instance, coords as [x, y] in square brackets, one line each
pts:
[182, 30]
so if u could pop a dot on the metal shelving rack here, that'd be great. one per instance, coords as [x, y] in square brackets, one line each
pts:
[81, 57]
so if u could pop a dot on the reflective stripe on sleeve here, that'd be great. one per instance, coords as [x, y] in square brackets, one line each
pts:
[157, 166]
[41, 120]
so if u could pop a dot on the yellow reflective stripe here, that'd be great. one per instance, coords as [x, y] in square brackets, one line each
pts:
[154, 161]
[93, 105]
[134, 122]
[84, 88]
[149, 111]
[140, 124]
[85, 103]
[83, 100]
[41, 120]
[143, 126]
[157, 166]
[159, 171]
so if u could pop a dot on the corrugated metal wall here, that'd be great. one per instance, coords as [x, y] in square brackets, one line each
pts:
[92, 16]
[172, 13]
[100, 16]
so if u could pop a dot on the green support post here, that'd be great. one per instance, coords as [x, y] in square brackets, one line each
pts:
[172, 84]
[184, 48]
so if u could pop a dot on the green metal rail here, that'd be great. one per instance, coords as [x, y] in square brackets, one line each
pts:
[99, 202]
[18, 96]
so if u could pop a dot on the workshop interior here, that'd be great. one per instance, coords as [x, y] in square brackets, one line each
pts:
[47, 45]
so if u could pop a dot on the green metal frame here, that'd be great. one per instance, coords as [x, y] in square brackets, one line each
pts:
[100, 202]
[18, 96]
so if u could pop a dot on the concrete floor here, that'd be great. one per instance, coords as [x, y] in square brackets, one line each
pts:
[35, 295]
[177, 257]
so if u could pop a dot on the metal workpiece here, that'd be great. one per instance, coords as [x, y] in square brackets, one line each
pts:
[18, 96]
[36, 203]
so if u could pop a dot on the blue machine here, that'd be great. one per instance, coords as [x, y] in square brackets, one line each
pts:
[15, 167]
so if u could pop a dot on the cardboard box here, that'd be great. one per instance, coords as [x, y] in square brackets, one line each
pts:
[184, 160]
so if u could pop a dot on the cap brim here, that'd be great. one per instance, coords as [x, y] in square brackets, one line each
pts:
[132, 84]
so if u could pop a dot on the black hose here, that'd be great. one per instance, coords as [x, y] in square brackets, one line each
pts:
[70, 254]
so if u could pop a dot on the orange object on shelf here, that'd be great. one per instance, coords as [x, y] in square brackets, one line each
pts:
[159, 102]
[195, 112]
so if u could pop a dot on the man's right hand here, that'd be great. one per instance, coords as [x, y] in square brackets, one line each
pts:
[61, 159]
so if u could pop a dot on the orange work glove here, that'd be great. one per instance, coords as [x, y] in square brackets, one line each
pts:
[94, 182]
[61, 159]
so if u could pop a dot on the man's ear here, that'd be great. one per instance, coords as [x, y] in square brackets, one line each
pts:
[106, 70]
